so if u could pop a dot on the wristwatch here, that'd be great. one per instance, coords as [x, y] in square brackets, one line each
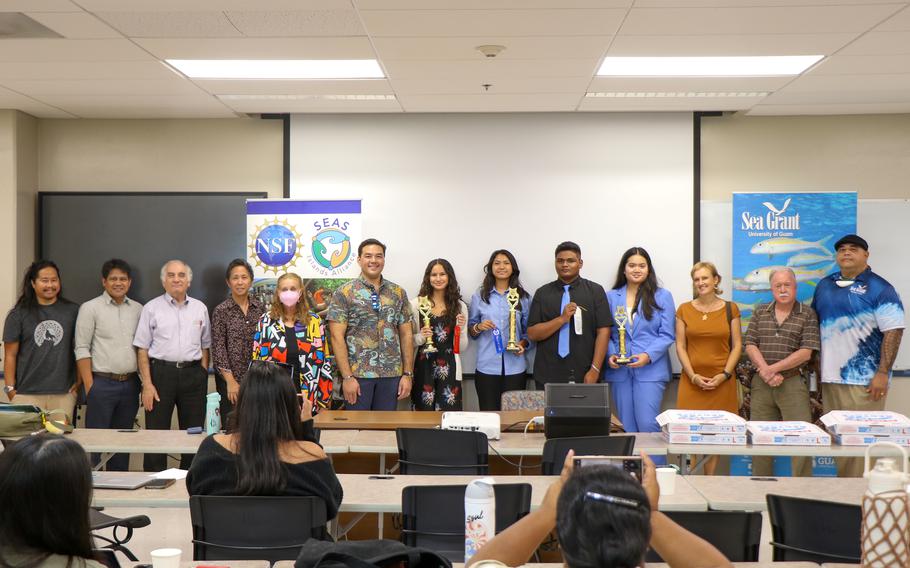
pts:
[8, 389]
[407, 374]
[726, 374]
[348, 377]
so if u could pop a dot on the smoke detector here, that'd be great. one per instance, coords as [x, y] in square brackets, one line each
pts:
[490, 51]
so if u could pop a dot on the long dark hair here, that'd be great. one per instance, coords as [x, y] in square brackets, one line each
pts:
[452, 292]
[266, 416]
[45, 491]
[28, 299]
[596, 533]
[489, 281]
[648, 288]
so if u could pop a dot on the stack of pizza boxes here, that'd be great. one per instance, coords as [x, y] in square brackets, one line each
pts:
[865, 427]
[702, 427]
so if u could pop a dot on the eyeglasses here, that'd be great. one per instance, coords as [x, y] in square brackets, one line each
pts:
[374, 298]
[612, 499]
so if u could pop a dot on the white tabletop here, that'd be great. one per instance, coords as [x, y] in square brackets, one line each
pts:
[833, 450]
[175, 441]
[365, 493]
[662, 565]
[510, 444]
[732, 493]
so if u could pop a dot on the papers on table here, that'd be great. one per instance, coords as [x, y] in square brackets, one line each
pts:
[172, 473]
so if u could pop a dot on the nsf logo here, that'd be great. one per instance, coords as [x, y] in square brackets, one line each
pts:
[275, 245]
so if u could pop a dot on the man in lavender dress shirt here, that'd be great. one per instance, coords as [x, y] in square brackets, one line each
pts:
[173, 341]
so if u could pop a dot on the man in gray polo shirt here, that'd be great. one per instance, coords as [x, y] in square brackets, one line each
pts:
[173, 337]
[106, 358]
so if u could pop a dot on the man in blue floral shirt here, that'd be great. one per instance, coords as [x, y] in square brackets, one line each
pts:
[370, 326]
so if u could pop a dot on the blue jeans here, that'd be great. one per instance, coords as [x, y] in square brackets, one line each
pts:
[113, 404]
[377, 394]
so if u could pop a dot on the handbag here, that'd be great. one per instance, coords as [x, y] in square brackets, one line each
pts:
[25, 419]
[382, 553]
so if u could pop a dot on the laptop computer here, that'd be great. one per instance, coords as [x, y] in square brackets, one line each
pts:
[118, 480]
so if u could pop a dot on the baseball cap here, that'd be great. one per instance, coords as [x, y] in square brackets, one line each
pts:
[852, 240]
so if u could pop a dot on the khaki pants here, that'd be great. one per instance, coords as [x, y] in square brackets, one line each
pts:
[849, 397]
[789, 401]
[65, 402]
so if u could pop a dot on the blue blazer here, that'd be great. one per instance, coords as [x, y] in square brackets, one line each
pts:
[654, 337]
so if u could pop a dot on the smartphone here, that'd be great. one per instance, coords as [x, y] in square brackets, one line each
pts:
[629, 464]
[159, 483]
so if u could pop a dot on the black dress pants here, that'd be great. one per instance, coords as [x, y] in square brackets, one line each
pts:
[184, 388]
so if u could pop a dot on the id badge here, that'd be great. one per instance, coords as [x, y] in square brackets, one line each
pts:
[577, 318]
[497, 341]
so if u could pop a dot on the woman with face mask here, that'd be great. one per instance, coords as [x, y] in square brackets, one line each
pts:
[294, 336]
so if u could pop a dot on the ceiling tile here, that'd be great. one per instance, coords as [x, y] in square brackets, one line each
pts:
[75, 25]
[724, 44]
[354, 87]
[816, 109]
[488, 4]
[863, 65]
[899, 22]
[501, 86]
[704, 104]
[171, 24]
[10, 99]
[313, 105]
[498, 23]
[39, 6]
[489, 70]
[208, 5]
[103, 87]
[755, 20]
[749, 3]
[71, 50]
[85, 70]
[447, 48]
[298, 23]
[687, 84]
[888, 96]
[879, 43]
[119, 106]
[261, 48]
[836, 83]
[490, 103]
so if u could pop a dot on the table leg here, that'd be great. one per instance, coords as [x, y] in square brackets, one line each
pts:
[103, 459]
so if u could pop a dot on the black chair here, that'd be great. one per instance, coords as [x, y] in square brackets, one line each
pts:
[425, 451]
[433, 516]
[98, 521]
[737, 534]
[254, 528]
[106, 557]
[814, 531]
[555, 449]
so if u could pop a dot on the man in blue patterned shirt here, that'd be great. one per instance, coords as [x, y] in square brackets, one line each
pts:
[862, 321]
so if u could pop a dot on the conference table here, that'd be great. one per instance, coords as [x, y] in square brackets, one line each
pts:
[392, 419]
[290, 564]
[733, 493]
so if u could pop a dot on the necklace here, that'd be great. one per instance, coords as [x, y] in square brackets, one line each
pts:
[704, 314]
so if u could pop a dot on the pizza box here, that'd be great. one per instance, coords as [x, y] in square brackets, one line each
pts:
[730, 439]
[787, 433]
[866, 422]
[701, 421]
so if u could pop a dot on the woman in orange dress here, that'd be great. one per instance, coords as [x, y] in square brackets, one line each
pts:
[709, 344]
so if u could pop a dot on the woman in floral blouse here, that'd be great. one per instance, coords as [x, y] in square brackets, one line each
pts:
[308, 356]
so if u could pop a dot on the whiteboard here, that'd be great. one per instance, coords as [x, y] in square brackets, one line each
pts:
[882, 222]
[459, 186]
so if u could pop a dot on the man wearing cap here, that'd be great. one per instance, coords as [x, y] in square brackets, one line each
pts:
[862, 321]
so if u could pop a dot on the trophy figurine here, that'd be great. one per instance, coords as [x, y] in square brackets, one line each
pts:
[425, 308]
[620, 317]
[513, 298]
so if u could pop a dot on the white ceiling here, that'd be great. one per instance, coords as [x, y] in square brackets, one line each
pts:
[108, 62]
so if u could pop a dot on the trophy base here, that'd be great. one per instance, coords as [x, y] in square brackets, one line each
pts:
[623, 360]
[513, 347]
[430, 349]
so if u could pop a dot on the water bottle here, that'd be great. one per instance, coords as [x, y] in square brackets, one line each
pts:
[212, 413]
[479, 515]
[886, 518]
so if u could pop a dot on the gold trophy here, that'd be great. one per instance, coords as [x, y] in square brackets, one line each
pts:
[620, 317]
[513, 298]
[426, 308]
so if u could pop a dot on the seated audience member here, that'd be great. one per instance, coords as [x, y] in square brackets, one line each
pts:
[45, 490]
[268, 448]
[604, 517]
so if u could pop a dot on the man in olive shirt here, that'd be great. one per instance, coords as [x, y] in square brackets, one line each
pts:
[106, 358]
[569, 350]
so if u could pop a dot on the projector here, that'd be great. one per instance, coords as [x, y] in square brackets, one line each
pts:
[486, 422]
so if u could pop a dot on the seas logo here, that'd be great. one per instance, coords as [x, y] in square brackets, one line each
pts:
[330, 248]
[275, 245]
[773, 220]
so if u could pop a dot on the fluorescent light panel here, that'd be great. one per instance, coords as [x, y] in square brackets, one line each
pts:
[306, 97]
[677, 95]
[749, 66]
[278, 68]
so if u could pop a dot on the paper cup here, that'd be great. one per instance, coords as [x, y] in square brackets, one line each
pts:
[666, 480]
[166, 558]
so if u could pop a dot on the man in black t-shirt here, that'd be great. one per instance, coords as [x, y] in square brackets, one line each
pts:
[570, 321]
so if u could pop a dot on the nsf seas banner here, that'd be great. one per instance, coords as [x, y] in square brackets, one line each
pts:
[795, 230]
[315, 239]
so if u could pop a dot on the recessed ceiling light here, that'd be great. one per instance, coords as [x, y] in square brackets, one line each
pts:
[278, 68]
[306, 97]
[677, 95]
[751, 66]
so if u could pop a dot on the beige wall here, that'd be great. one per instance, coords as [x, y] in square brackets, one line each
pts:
[865, 153]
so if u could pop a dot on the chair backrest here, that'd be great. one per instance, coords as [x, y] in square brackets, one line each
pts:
[254, 528]
[814, 531]
[433, 516]
[106, 557]
[523, 400]
[737, 534]
[555, 449]
[425, 451]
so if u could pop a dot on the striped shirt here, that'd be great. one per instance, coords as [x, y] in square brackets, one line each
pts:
[778, 341]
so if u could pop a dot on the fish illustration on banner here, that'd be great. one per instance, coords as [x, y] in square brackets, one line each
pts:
[786, 230]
